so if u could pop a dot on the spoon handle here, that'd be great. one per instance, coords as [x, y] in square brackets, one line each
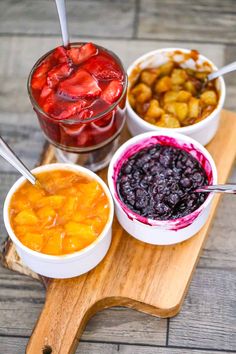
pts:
[218, 188]
[226, 69]
[7, 153]
[61, 9]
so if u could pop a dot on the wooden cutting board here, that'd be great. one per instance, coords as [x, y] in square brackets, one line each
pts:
[145, 277]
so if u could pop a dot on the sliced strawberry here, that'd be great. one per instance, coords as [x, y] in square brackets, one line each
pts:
[46, 90]
[62, 109]
[73, 129]
[112, 92]
[60, 55]
[38, 83]
[83, 138]
[73, 54]
[68, 109]
[105, 121]
[59, 72]
[43, 68]
[85, 114]
[78, 55]
[103, 67]
[79, 84]
[40, 75]
[74, 135]
[48, 103]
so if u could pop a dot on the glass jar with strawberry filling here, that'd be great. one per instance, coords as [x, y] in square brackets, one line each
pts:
[79, 94]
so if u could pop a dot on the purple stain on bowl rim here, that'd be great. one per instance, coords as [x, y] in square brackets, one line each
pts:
[139, 203]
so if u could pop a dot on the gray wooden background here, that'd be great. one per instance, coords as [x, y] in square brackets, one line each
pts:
[29, 28]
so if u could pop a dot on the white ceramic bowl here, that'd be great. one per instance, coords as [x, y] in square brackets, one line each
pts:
[203, 131]
[161, 232]
[70, 265]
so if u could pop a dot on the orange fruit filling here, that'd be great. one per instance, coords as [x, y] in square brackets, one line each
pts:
[62, 214]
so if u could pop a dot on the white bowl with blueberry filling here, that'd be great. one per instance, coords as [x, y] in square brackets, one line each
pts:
[152, 178]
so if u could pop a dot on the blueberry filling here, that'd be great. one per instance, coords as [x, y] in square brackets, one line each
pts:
[158, 182]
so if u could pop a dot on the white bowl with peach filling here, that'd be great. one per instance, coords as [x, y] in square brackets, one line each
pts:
[173, 112]
[62, 234]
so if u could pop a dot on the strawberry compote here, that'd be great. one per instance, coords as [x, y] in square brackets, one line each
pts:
[78, 93]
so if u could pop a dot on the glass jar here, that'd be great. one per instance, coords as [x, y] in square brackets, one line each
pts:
[90, 142]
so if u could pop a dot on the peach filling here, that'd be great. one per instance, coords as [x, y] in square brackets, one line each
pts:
[65, 213]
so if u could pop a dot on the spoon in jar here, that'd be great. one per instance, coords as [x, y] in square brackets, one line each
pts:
[225, 70]
[7, 153]
[61, 9]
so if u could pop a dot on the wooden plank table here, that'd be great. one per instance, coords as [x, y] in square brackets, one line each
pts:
[207, 322]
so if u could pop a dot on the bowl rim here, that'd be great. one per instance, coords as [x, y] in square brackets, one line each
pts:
[170, 223]
[189, 128]
[66, 257]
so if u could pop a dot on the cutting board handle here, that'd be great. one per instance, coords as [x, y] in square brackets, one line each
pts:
[62, 319]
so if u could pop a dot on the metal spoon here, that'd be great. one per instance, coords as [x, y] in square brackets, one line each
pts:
[217, 188]
[7, 153]
[226, 69]
[61, 9]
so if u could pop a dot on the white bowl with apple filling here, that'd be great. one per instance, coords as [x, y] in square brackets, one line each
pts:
[204, 129]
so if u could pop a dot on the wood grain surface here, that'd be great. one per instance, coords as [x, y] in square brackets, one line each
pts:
[147, 278]
[18, 346]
